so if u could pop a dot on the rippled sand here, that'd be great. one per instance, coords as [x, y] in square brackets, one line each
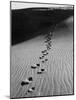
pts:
[58, 76]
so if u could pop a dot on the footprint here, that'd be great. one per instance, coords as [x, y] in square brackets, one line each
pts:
[42, 69]
[46, 59]
[30, 79]
[39, 72]
[43, 61]
[38, 64]
[41, 57]
[31, 90]
[33, 67]
[44, 51]
[23, 83]
[27, 81]
[48, 48]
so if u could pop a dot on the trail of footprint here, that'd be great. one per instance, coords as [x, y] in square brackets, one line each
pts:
[35, 66]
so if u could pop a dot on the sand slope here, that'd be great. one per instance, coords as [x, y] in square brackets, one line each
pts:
[58, 77]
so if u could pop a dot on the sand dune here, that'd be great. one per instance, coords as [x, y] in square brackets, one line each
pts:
[57, 78]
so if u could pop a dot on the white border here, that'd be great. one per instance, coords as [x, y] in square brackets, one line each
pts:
[22, 5]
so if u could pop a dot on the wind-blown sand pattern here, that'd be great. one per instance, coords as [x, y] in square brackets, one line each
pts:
[56, 79]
